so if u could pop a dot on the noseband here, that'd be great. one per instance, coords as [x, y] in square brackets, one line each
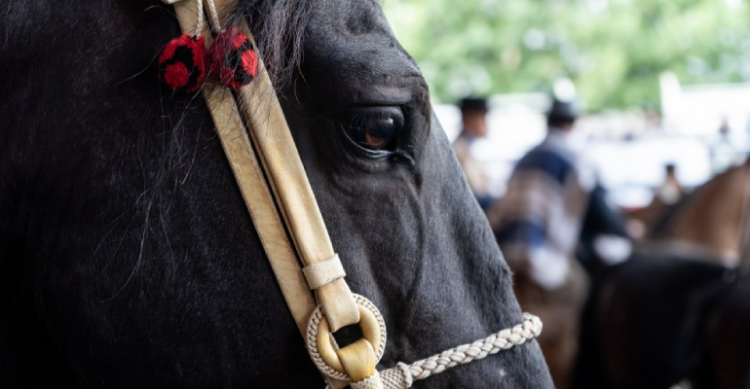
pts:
[268, 170]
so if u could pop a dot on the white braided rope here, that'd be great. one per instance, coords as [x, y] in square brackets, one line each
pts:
[503, 340]
[371, 382]
[397, 377]
[199, 22]
[403, 375]
[214, 15]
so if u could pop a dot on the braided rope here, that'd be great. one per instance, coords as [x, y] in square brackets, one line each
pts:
[503, 340]
[397, 377]
[199, 22]
[402, 376]
[371, 382]
[214, 15]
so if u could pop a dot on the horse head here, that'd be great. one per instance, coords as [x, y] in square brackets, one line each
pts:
[128, 257]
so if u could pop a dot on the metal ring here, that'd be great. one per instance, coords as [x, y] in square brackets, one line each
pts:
[321, 345]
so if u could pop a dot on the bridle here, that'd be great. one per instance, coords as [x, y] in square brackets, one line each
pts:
[268, 170]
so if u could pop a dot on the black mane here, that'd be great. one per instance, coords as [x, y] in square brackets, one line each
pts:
[128, 258]
[279, 30]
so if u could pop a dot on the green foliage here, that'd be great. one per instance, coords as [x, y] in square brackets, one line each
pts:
[613, 50]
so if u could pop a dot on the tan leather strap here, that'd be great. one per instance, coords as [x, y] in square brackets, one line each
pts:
[257, 197]
[358, 359]
[269, 132]
[323, 273]
[288, 180]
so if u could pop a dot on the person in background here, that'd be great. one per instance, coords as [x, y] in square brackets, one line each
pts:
[473, 127]
[722, 152]
[539, 224]
[670, 192]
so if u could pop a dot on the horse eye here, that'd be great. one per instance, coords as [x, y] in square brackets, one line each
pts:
[373, 131]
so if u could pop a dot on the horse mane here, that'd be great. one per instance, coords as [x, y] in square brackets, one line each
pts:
[279, 29]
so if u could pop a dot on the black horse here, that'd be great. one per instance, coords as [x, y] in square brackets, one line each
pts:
[645, 325]
[726, 338]
[662, 317]
[660, 321]
[127, 257]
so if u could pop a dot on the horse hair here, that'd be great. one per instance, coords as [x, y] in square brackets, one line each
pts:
[279, 29]
[128, 258]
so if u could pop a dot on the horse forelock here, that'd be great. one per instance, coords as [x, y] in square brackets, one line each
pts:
[279, 29]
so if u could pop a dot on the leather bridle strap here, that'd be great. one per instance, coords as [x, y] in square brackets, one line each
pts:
[271, 143]
[287, 178]
[257, 140]
[257, 197]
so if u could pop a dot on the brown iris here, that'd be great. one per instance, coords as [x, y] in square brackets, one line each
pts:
[374, 132]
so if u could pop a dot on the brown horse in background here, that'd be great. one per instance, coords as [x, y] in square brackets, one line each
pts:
[707, 224]
[650, 322]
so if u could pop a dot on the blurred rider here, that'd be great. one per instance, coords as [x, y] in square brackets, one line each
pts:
[670, 191]
[473, 127]
[722, 151]
[553, 207]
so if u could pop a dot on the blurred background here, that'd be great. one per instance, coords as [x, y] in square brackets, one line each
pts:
[641, 274]
[657, 79]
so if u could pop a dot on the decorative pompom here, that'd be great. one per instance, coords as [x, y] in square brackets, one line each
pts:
[183, 63]
[234, 61]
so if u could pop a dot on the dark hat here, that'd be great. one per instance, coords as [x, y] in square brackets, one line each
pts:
[473, 104]
[563, 111]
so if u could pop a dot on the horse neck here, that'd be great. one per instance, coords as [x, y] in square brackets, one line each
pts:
[715, 219]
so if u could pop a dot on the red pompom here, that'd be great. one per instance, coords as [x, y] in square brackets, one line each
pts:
[234, 61]
[183, 63]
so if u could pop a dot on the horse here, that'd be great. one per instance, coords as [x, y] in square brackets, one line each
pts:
[649, 318]
[726, 341]
[707, 222]
[686, 323]
[127, 256]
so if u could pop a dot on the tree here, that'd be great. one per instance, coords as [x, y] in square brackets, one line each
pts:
[613, 50]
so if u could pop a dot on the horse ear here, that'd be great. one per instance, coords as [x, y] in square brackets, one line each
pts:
[233, 60]
[183, 63]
